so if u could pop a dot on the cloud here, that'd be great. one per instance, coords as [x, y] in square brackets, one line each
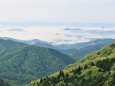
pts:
[72, 29]
[57, 35]
[103, 32]
[69, 41]
[68, 35]
[16, 30]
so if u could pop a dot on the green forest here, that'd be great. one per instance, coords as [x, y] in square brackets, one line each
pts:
[21, 63]
[3, 83]
[33, 65]
[96, 69]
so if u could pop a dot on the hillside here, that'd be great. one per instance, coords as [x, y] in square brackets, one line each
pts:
[96, 69]
[22, 64]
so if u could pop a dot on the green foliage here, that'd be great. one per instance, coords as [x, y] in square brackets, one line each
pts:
[96, 69]
[106, 51]
[3, 83]
[25, 63]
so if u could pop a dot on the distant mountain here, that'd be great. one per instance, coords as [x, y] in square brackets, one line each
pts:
[78, 46]
[91, 47]
[8, 44]
[39, 43]
[96, 69]
[22, 64]
[47, 45]
[77, 51]
[36, 42]
[32, 42]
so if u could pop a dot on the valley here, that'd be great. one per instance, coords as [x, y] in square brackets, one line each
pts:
[21, 62]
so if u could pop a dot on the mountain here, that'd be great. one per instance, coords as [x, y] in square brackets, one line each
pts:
[96, 69]
[3, 83]
[22, 64]
[65, 48]
[90, 47]
[78, 46]
[77, 51]
[47, 45]
[32, 42]
[35, 42]
[82, 49]
[7, 44]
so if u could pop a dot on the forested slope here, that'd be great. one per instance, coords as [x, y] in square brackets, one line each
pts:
[22, 64]
[96, 69]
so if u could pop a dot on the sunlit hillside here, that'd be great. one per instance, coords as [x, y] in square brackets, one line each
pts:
[96, 69]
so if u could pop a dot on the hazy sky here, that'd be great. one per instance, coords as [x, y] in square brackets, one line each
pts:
[57, 10]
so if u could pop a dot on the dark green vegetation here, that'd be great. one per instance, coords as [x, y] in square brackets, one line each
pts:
[96, 69]
[3, 83]
[22, 64]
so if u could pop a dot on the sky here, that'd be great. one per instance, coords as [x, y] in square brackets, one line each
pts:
[57, 11]
[57, 21]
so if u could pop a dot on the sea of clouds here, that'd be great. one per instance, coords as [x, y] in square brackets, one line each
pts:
[57, 34]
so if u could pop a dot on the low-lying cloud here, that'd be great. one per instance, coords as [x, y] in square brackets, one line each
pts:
[16, 30]
[72, 29]
[58, 35]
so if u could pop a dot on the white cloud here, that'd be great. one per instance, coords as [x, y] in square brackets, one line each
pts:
[16, 30]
